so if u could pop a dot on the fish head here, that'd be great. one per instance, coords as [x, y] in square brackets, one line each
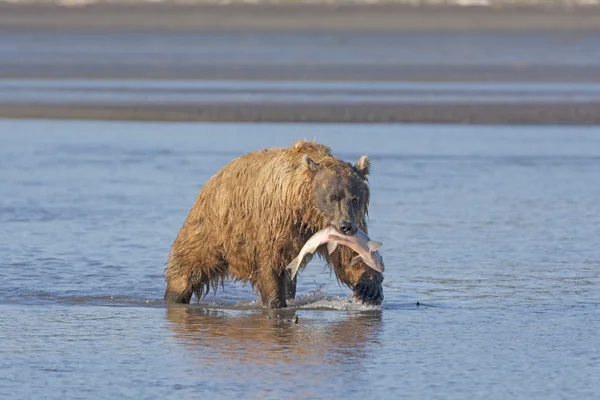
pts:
[374, 260]
[341, 192]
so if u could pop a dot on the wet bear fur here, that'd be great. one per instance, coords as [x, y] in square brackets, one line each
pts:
[254, 215]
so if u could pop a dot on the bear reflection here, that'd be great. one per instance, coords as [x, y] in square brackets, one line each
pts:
[260, 337]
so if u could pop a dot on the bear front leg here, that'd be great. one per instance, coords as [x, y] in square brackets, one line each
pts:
[273, 288]
[178, 290]
[364, 281]
[368, 289]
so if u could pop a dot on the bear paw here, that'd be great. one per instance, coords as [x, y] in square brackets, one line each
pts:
[368, 290]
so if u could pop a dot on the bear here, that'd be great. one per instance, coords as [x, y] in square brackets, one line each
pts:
[253, 216]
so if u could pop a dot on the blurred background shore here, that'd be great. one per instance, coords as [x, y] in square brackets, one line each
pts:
[488, 62]
[289, 15]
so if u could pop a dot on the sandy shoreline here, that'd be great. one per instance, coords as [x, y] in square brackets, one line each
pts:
[294, 17]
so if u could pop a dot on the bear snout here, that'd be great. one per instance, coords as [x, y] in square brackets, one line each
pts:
[347, 228]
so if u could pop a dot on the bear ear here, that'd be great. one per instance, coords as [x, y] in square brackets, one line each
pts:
[363, 166]
[309, 163]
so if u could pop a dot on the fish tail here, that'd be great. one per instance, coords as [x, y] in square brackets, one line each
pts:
[293, 266]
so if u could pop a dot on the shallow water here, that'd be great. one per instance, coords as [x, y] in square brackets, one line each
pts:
[493, 230]
[392, 56]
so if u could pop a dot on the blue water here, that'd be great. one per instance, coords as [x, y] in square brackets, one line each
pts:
[493, 230]
[467, 56]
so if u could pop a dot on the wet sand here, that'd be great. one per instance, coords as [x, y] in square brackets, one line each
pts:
[497, 114]
[316, 43]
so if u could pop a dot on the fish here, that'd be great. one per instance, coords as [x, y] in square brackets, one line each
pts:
[367, 249]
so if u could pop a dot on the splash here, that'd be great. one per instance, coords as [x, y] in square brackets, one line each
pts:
[318, 299]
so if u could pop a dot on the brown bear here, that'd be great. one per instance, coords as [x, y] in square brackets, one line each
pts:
[254, 215]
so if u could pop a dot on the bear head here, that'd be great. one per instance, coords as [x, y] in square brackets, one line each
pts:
[341, 191]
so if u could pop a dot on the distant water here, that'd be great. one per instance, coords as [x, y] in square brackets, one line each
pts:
[493, 230]
[471, 56]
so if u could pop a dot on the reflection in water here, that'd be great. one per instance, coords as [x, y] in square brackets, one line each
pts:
[269, 336]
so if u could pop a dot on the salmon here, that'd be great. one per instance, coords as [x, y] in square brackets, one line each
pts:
[367, 249]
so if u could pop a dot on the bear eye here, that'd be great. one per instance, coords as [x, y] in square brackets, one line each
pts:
[333, 197]
[355, 200]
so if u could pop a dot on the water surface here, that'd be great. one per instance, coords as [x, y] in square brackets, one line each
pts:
[494, 232]
[478, 55]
